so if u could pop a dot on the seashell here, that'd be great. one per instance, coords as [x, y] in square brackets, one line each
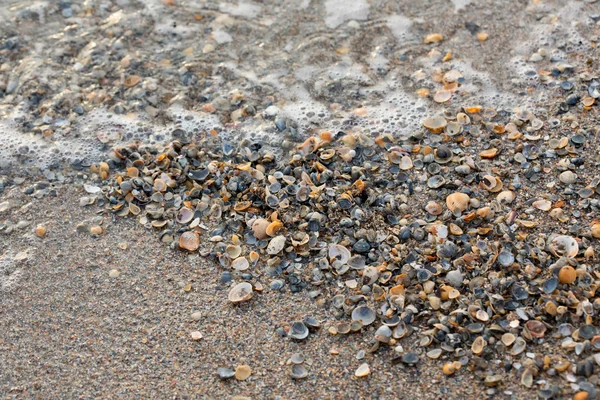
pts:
[276, 245]
[568, 177]
[563, 246]
[595, 230]
[240, 292]
[488, 182]
[505, 197]
[189, 241]
[434, 354]
[457, 202]
[240, 264]
[489, 153]
[233, 251]
[567, 275]
[508, 339]
[448, 369]
[543, 205]
[357, 262]
[453, 128]
[298, 330]
[370, 276]
[259, 228]
[298, 371]
[436, 181]
[434, 208]
[518, 346]
[435, 124]
[362, 371]
[383, 334]
[338, 254]
[243, 372]
[441, 96]
[536, 328]
[443, 155]
[364, 315]
[478, 345]
[273, 228]
[405, 163]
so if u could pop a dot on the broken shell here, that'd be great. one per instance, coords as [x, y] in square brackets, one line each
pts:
[273, 228]
[563, 246]
[240, 292]
[339, 254]
[433, 38]
[363, 370]
[434, 208]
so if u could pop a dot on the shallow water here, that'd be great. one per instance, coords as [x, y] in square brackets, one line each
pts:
[313, 64]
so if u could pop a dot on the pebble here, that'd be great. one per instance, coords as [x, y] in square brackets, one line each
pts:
[114, 273]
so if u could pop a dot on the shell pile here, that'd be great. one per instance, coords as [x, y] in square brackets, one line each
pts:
[411, 238]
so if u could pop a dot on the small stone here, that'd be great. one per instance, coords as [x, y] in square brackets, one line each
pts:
[96, 230]
[225, 373]
[40, 231]
[196, 335]
[196, 316]
[114, 273]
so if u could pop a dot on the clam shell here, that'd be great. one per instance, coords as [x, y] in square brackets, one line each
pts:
[259, 228]
[457, 202]
[240, 264]
[189, 241]
[339, 254]
[563, 246]
[276, 245]
[298, 330]
[363, 314]
[185, 215]
[240, 292]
